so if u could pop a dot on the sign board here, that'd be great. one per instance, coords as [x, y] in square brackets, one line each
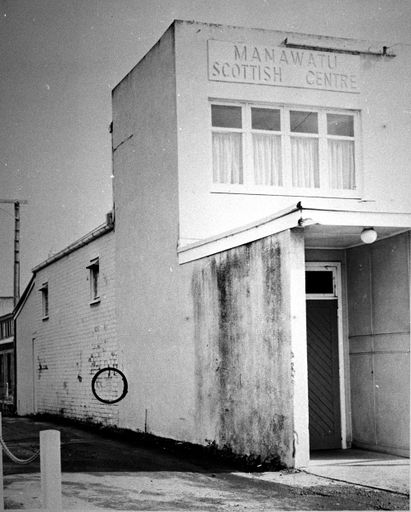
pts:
[281, 66]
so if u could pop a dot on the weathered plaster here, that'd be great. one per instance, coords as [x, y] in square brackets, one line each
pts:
[244, 381]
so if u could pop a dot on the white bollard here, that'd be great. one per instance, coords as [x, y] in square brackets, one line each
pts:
[50, 467]
[1, 469]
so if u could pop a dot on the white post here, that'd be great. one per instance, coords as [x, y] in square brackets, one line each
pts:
[1, 469]
[50, 469]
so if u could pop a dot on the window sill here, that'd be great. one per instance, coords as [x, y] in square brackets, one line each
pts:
[95, 301]
[45, 318]
[277, 191]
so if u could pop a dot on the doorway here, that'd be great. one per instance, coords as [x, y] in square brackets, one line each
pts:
[324, 344]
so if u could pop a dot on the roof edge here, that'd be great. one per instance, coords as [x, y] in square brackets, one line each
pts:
[23, 298]
[84, 240]
[284, 219]
[296, 216]
[242, 229]
[310, 39]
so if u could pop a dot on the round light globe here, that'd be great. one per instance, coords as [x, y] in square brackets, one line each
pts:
[369, 235]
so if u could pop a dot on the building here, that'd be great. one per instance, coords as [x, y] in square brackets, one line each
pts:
[7, 368]
[250, 169]
[65, 330]
[9, 295]
[244, 161]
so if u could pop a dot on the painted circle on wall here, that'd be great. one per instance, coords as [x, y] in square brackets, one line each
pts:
[109, 385]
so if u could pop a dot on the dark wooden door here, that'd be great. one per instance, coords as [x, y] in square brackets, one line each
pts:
[323, 375]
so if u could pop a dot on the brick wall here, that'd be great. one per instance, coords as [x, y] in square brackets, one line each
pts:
[76, 340]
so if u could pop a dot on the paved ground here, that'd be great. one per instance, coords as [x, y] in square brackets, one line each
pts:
[102, 473]
[372, 469]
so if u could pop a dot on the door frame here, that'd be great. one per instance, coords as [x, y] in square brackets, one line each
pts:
[335, 267]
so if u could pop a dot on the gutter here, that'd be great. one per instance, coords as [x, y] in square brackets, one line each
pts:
[23, 299]
[84, 240]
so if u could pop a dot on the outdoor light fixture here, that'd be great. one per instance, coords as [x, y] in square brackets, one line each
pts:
[368, 235]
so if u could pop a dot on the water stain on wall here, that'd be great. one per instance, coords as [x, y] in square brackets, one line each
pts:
[243, 356]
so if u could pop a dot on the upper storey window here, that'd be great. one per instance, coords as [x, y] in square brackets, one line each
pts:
[227, 144]
[290, 151]
[44, 289]
[266, 146]
[94, 276]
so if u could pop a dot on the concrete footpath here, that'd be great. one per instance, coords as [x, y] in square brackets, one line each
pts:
[100, 472]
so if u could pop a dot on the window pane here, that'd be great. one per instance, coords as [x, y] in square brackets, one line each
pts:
[94, 276]
[45, 300]
[304, 161]
[265, 119]
[8, 367]
[227, 158]
[341, 164]
[225, 116]
[340, 124]
[319, 281]
[267, 159]
[303, 122]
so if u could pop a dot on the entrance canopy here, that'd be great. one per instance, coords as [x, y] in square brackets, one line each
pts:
[336, 229]
[323, 229]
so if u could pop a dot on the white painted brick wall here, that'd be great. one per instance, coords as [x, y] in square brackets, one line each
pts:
[78, 338]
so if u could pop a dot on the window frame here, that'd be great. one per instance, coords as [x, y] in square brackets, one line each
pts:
[45, 300]
[249, 157]
[335, 269]
[287, 189]
[6, 327]
[224, 129]
[94, 270]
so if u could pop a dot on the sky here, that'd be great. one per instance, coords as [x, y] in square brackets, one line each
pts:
[60, 60]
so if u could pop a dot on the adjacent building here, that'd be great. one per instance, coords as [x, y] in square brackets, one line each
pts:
[7, 364]
[254, 309]
[65, 330]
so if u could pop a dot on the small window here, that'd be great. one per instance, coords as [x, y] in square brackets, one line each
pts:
[319, 282]
[225, 116]
[8, 368]
[226, 121]
[45, 300]
[341, 151]
[94, 269]
[266, 146]
[9, 328]
[266, 119]
[6, 328]
[340, 124]
[303, 122]
[305, 149]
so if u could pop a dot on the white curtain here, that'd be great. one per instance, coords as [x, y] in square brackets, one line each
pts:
[341, 166]
[304, 158]
[267, 159]
[227, 158]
